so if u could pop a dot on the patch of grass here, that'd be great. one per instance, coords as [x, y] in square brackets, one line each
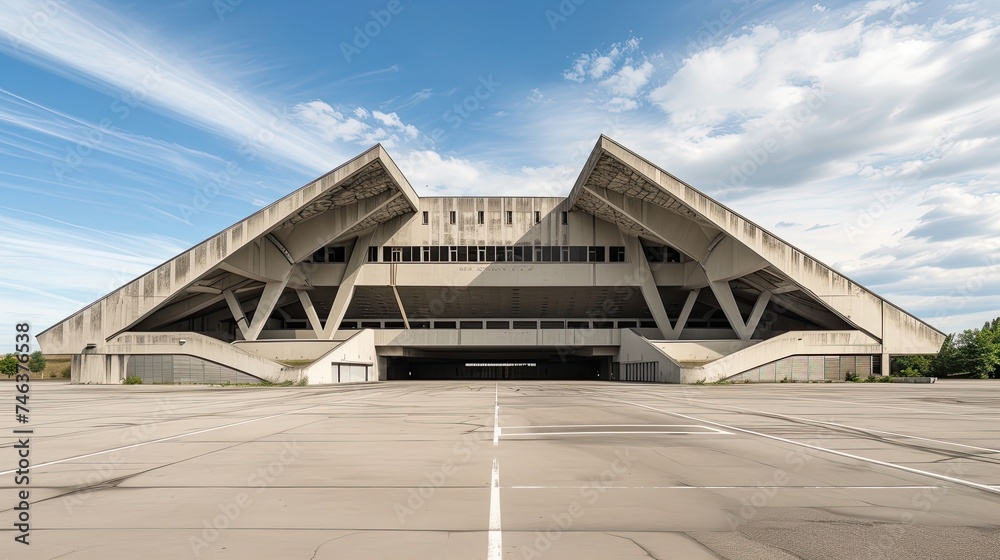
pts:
[132, 380]
[303, 382]
[66, 372]
[700, 381]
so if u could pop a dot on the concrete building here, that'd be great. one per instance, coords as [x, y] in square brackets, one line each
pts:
[634, 276]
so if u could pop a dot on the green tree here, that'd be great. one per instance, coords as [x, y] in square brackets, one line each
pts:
[912, 366]
[978, 352]
[37, 362]
[8, 365]
[945, 363]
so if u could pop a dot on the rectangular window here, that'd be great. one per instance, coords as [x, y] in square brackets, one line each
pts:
[564, 254]
[491, 253]
[427, 217]
[386, 254]
[616, 254]
[510, 217]
[435, 254]
[501, 255]
[407, 254]
[518, 253]
[565, 218]
[397, 254]
[452, 217]
[509, 254]
[473, 254]
[452, 254]
[595, 254]
[528, 253]
[481, 217]
[578, 254]
[538, 253]
[482, 254]
[372, 254]
[463, 254]
[538, 217]
[425, 253]
[336, 254]
[319, 256]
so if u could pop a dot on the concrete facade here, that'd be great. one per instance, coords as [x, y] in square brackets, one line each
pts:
[634, 273]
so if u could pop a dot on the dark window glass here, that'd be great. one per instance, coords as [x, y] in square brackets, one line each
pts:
[372, 254]
[482, 217]
[445, 324]
[394, 325]
[473, 254]
[463, 254]
[501, 255]
[578, 254]
[471, 324]
[319, 256]
[518, 253]
[435, 254]
[452, 254]
[397, 254]
[425, 254]
[538, 216]
[565, 218]
[564, 254]
[528, 253]
[538, 250]
[595, 254]
[482, 254]
[497, 324]
[510, 217]
[426, 216]
[451, 217]
[336, 254]
[617, 254]
[509, 253]
[407, 254]
[386, 254]
[491, 253]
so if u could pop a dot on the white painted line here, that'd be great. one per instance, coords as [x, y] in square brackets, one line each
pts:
[869, 430]
[528, 434]
[578, 487]
[496, 416]
[495, 545]
[963, 482]
[178, 436]
[614, 426]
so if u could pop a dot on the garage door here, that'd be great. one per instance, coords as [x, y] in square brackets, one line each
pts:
[350, 373]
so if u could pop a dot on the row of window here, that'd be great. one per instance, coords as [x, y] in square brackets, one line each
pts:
[498, 324]
[498, 253]
[494, 253]
[481, 217]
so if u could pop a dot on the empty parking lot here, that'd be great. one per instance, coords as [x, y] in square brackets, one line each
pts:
[509, 470]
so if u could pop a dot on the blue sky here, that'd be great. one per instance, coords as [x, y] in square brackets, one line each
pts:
[865, 133]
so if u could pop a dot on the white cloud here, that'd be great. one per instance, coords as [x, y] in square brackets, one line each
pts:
[392, 121]
[628, 80]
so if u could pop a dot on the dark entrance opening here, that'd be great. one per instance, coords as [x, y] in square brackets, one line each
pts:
[473, 368]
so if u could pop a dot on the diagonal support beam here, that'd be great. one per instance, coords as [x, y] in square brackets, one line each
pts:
[268, 299]
[724, 293]
[237, 311]
[346, 291]
[647, 285]
[307, 304]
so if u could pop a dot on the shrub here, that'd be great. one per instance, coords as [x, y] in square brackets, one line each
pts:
[66, 372]
[852, 377]
[303, 382]
[133, 380]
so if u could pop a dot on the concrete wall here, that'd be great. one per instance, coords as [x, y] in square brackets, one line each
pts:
[360, 348]
[288, 349]
[194, 345]
[455, 338]
[581, 229]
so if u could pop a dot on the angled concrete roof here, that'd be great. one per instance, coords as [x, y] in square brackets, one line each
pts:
[620, 186]
[366, 190]
[615, 185]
